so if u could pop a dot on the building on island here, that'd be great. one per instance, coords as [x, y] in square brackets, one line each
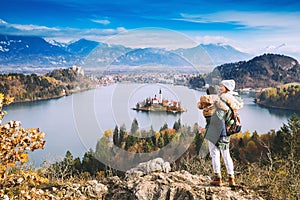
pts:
[157, 104]
[79, 70]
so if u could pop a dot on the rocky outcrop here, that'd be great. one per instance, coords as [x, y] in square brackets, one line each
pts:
[92, 189]
[172, 186]
[176, 185]
[153, 180]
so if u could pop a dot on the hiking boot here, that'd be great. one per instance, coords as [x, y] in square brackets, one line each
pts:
[217, 181]
[231, 181]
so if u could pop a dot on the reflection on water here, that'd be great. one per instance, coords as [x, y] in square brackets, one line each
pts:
[280, 112]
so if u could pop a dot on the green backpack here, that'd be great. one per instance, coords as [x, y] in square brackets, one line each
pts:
[232, 120]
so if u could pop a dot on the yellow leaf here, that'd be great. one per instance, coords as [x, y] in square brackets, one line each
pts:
[2, 168]
[108, 133]
[157, 134]
[11, 164]
[24, 157]
[42, 135]
[1, 96]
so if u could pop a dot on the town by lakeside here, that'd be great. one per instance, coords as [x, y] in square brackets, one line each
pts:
[283, 96]
[152, 78]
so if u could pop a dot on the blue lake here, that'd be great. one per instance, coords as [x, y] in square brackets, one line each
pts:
[76, 122]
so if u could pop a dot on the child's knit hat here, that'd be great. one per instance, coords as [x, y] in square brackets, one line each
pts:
[229, 84]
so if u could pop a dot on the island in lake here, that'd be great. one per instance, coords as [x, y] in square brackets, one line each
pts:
[158, 104]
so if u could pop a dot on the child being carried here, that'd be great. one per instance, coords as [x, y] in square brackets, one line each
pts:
[210, 104]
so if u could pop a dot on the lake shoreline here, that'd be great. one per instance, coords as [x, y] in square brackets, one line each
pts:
[265, 105]
[52, 98]
[275, 107]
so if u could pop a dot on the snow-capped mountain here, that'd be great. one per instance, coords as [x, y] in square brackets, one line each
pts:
[27, 51]
[28, 45]
[81, 47]
[33, 52]
[214, 54]
[55, 43]
[150, 56]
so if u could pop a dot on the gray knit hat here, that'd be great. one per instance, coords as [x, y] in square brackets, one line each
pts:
[229, 84]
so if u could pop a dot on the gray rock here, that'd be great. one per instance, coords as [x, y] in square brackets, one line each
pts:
[94, 189]
[155, 165]
[173, 186]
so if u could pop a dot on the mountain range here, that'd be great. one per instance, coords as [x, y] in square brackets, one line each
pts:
[33, 53]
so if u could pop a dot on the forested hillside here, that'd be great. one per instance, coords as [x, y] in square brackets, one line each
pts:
[33, 87]
[285, 96]
[268, 70]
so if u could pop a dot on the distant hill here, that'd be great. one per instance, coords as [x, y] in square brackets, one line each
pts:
[32, 53]
[268, 70]
[31, 45]
[57, 83]
[207, 56]
[221, 53]
[285, 96]
[104, 55]
[82, 47]
[152, 59]
[150, 56]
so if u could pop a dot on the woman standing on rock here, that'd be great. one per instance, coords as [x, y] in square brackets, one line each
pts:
[216, 128]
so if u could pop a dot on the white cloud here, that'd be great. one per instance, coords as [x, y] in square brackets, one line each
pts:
[252, 32]
[99, 35]
[286, 20]
[208, 39]
[26, 27]
[32, 27]
[152, 37]
[2, 22]
[218, 39]
[59, 34]
[101, 21]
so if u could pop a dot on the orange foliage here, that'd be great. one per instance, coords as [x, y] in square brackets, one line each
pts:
[15, 142]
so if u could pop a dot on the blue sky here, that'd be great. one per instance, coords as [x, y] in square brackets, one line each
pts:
[251, 26]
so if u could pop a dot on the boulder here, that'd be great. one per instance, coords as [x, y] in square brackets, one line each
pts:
[155, 165]
[94, 189]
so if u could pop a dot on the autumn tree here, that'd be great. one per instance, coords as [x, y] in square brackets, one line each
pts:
[287, 139]
[15, 144]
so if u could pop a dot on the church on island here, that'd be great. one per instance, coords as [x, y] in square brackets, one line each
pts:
[158, 104]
